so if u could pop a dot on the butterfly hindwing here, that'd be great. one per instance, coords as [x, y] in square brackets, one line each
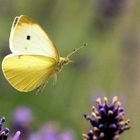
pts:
[27, 72]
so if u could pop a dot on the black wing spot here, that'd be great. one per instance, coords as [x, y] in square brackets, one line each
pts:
[28, 37]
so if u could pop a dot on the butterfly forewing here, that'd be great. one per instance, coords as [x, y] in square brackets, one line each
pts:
[27, 37]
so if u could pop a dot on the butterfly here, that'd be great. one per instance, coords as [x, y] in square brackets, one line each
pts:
[34, 58]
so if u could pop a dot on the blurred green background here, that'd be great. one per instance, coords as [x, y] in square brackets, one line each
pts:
[108, 66]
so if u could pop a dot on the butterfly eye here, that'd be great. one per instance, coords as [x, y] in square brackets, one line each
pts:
[28, 37]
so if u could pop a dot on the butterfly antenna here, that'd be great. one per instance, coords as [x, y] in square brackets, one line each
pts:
[75, 50]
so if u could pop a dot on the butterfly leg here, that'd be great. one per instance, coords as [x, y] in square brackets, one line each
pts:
[55, 77]
[41, 87]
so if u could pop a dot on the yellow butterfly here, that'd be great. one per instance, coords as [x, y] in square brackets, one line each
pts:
[34, 57]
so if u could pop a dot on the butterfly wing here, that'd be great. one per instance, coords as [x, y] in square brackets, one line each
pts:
[27, 72]
[29, 38]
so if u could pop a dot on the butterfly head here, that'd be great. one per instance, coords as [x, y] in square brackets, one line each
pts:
[66, 60]
[62, 61]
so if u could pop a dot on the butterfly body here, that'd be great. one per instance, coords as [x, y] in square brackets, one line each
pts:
[34, 58]
[62, 61]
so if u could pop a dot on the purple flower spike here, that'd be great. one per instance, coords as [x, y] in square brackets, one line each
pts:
[17, 135]
[113, 126]
[4, 132]
[109, 120]
[102, 111]
[22, 115]
[66, 135]
[21, 120]
[48, 132]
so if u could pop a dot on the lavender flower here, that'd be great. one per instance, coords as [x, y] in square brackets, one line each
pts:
[66, 135]
[21, 120]
[50, 132]
[107, 120]
[4, 132]
[22, 114]
[17, 135]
